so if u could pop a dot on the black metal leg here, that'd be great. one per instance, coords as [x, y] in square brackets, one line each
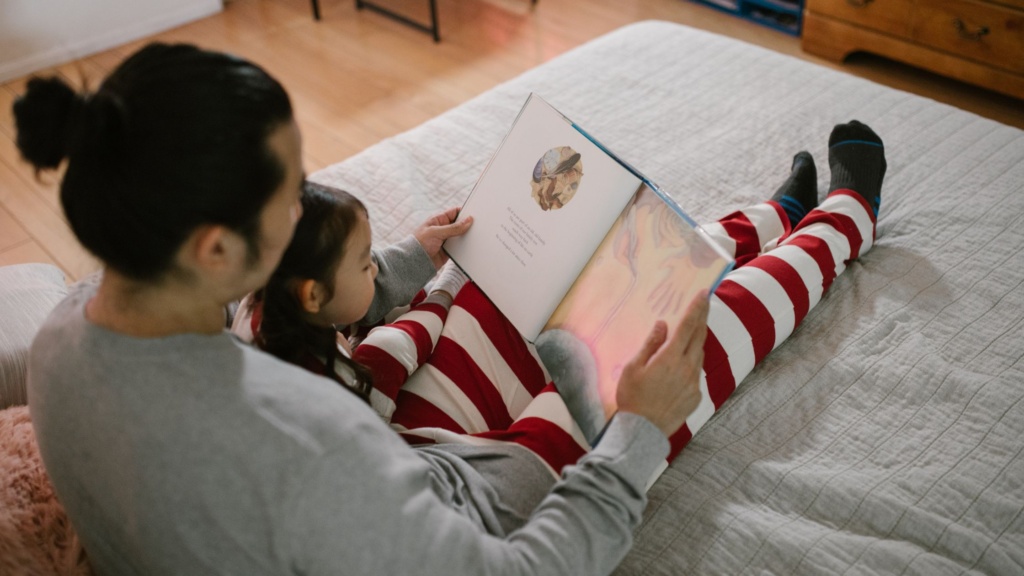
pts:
[433, 21]
[433, 29]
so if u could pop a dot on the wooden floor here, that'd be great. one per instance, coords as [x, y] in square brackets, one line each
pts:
[357, 77]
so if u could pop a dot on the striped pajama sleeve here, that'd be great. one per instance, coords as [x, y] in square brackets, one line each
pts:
[484, 384]
[394, 351]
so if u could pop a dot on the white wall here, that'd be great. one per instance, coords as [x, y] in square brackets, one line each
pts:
[35, 34]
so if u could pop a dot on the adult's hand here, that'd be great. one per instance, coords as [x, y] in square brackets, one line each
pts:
[662, 382]
[438, 228]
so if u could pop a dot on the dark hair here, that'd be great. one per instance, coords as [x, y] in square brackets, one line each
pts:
[174, 138]
[328, 218]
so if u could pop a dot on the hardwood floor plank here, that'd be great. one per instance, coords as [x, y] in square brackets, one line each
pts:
[7, 97]
[11, 232]
[28, 252]
[43, 223]
[45, 187]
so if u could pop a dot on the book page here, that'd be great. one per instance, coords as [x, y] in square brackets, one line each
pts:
[541, 207]
[649, 267]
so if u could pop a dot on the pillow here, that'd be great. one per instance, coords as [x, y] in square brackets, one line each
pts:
[36, 537]
[28, 292]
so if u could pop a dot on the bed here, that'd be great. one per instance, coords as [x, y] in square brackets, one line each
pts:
[885, 436]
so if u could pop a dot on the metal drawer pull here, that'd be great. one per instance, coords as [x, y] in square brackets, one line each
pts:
[859, 3]
[961, 29]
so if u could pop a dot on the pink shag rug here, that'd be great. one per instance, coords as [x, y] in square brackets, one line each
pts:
[36, 537]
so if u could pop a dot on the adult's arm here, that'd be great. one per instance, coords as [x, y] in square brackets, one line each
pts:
[363, 513]
[403, 269]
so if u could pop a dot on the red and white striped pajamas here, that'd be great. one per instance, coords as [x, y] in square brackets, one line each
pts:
[467, 376]
[780, 275]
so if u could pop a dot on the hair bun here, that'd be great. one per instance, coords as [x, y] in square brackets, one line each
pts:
[45, 116]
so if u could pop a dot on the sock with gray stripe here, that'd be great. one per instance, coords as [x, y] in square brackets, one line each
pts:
[857, 159]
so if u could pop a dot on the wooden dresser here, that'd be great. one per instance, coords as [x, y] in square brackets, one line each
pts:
[977, 41]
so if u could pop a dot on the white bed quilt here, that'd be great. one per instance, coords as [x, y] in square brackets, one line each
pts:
[885, 436]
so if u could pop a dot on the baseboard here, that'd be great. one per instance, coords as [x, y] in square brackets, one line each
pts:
[106, 40]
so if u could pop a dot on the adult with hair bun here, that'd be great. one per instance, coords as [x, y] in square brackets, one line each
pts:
[177, 449]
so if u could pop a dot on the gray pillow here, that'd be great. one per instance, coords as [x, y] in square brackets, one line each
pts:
[28, 292]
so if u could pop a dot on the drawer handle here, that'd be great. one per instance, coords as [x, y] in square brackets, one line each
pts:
[975, 36]
[859, 3]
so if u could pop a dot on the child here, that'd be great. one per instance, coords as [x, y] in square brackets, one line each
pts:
[326, 280]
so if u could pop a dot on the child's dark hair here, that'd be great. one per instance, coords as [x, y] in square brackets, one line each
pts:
[174, 138]
[328, 218]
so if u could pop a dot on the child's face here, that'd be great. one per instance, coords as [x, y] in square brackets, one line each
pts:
[353, 282]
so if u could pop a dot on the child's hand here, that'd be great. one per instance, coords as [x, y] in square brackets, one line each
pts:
[438, 228]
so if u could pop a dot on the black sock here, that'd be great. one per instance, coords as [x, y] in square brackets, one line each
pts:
[857, 159]
[798, 195]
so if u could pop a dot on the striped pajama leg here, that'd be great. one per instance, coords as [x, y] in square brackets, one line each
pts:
[780, 275]
[485, 384]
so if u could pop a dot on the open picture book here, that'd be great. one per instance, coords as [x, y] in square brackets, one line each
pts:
[580, 251]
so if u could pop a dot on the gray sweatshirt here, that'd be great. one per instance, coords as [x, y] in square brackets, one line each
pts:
[402, 269]
[198, 454]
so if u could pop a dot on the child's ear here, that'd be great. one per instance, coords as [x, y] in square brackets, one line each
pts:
[311, 295]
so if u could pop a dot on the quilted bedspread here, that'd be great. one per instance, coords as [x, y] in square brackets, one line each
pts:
[886, 435]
